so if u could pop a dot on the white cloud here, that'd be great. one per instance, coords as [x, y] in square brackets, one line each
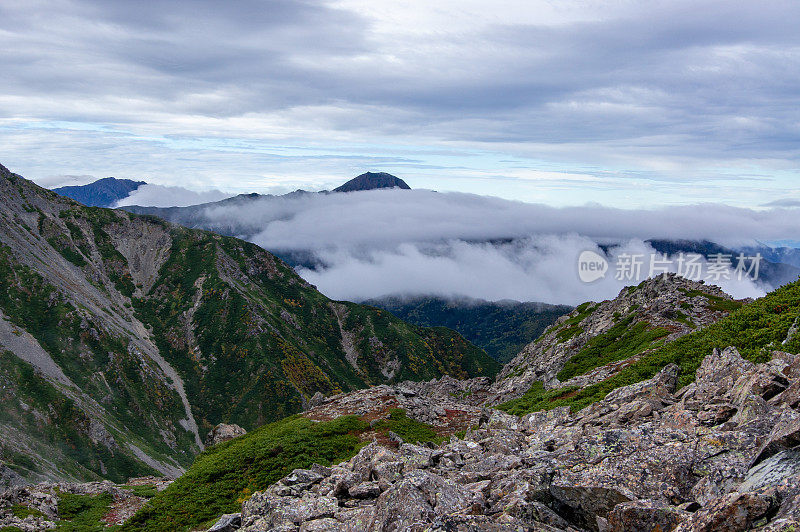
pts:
[150, 195]
[390, 217]
[542, 268]
[368, 244]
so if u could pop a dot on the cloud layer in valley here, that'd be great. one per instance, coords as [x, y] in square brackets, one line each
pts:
[163, 196]
[373, 243]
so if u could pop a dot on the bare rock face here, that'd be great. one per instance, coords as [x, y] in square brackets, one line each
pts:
[719, 454]
[222, 433]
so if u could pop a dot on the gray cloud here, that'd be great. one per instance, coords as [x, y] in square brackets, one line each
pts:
[649, 87]
[376, 218]
[541, 268]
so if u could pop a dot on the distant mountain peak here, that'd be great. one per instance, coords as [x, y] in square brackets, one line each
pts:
[104, 192]
[371, 181]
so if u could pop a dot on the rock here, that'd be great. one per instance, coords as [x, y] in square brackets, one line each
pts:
[365, 490]
[222, 433]
[415, 456]
[264, 509]
[402, 508]
[785, 435]
[584, 505]
[736, 512]
[227, 523]
[302, 479]
[645, 516]
[316, 400]
[773, 470]
[501, 420]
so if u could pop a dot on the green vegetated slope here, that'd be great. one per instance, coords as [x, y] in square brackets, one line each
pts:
[225, 475]
[499, 328]
[106, 295]
[85, 429]
[55, 430]
[252, 339]
[755, 329]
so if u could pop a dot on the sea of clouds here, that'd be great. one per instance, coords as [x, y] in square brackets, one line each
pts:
[374, 243]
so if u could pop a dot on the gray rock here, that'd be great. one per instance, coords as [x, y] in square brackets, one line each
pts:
[222, 433]
[227, 523]
[585, 504]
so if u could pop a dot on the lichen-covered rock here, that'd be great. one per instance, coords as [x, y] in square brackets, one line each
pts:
[645, 516]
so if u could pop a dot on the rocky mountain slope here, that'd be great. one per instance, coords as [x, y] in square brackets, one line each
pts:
[124, 340]
[719, 454]
[597, 339]
[501, 328]
[686, 434]
[104, 192]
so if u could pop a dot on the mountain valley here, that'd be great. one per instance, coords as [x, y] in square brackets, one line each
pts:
[161, 378]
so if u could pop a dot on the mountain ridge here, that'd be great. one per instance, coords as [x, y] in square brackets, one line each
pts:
[104, 192]
[163, 332]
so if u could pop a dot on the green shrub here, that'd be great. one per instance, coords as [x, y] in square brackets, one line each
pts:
[22, 511]
[620, 342]
[409, 430]
[82, 513]
[754, 329]
[223, 476]
[147, 491]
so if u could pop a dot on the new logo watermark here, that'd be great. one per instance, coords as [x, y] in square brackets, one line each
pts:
[635, 267]
[591, 266]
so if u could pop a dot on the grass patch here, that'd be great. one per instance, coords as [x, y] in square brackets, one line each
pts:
[537, 398]
[717, 303]
[146, 491]
[225, 475]
[82, 513]
[683, 318]
[571, 328]
[67, 252]
[22, 511]
[569, 333]
[754, 329]
[410, 430]
[620, 342]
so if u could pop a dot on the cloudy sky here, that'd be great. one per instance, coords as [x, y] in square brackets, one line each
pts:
[620, 102]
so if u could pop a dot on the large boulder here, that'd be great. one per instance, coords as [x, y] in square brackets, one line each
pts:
[222, 433]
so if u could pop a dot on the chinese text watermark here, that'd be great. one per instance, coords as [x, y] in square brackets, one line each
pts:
[635, 267]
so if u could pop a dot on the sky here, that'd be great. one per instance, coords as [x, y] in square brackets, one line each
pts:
[622, 103]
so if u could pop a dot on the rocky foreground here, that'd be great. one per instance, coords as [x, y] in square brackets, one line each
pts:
[719, 454]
